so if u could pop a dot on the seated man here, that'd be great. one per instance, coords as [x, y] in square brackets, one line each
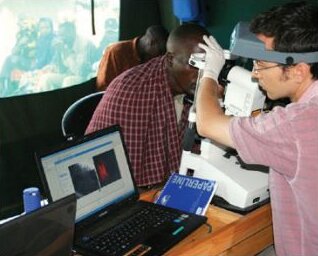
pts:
[141, 101]
[123, 55]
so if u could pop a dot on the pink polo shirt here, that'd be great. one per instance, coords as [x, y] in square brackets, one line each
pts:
[286, 140]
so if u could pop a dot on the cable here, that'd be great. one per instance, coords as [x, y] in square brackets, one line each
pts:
[209, 227]
[93, 16]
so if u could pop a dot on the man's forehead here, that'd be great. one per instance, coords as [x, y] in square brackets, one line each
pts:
[268, 41]
[185, 48]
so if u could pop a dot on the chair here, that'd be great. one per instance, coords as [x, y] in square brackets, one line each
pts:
[76, 118]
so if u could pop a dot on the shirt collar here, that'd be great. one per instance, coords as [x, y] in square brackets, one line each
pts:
[310, 92]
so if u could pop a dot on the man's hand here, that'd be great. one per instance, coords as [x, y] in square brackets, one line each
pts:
[214, 58]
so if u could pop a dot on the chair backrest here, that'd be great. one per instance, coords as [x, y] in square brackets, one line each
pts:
[76, 118]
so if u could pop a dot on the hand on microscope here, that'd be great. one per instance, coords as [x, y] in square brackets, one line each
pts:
[211, 121]
[214, 58]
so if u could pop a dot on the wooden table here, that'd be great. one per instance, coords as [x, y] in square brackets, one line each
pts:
[232, 233]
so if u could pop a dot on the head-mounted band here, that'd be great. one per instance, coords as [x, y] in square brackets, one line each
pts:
[246, 44]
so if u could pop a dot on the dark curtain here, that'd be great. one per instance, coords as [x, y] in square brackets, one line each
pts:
[27, 124]
[136, 16]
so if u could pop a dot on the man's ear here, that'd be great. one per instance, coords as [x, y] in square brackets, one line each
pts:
[302, 71]
[169, 58]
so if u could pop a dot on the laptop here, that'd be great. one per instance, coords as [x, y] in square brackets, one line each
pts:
[47, 231]
[110, 217]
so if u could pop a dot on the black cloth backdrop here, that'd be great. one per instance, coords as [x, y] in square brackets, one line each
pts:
[27, 124]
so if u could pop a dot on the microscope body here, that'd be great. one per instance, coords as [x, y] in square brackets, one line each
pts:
[240, 187]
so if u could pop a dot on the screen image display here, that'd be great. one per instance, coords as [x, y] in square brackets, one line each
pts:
[97, 171]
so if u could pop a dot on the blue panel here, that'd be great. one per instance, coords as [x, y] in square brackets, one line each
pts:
[186, 10]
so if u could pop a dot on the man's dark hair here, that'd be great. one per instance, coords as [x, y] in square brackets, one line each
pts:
[160, 35]
[186, 34]
[293, 26]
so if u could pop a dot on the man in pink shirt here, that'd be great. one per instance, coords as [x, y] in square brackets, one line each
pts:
[286, 139]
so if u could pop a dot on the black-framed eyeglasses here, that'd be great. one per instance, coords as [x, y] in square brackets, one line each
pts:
[258, 67]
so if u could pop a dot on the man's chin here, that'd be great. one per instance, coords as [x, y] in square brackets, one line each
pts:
[272, 97]
[191, 91]
[190, 94]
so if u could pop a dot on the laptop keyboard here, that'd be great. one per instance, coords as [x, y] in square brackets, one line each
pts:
[123, 236]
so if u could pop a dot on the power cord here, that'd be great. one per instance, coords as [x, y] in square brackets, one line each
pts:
[209, 227]
[156, 194]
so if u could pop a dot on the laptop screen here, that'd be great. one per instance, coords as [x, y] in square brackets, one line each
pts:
[47, 231]
[95, 168]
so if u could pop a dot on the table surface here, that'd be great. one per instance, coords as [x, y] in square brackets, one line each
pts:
[232, 233]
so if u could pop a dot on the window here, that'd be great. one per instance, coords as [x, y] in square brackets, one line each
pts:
[47, 45]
